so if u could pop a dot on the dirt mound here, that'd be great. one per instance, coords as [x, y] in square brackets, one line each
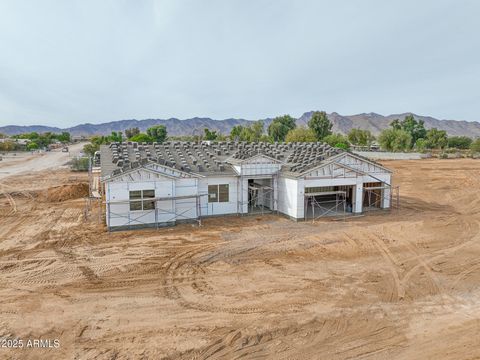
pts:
[66, 192]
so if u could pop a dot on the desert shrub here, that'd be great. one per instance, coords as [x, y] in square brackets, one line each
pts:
[79, 164]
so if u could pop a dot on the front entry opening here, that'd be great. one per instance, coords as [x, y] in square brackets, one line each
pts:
[260, 195]
[328, 201]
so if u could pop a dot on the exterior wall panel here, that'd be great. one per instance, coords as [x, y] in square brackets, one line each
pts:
[219, 208]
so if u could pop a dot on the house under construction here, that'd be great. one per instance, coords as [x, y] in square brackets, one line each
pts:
[163, 184]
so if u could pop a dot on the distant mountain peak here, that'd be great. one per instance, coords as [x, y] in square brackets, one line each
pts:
[341, 123]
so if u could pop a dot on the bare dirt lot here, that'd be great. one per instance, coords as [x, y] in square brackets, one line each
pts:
[15, 163]
[399, 285]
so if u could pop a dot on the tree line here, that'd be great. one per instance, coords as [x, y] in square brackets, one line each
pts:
[37, 141]
[408, 134]
[156, 133]
[402, 135]
[411, 134]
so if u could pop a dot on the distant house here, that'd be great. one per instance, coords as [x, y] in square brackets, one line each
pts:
[78, 138]
[16, 141]
[164, 184]
[372, 147]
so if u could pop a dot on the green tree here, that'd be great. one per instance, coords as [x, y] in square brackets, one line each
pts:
[247, 134]
[395, 140]
[99, 140]
[95, 142]
[251, 133]
[415, 128]
[436, 139]
[360, 137]
[459, 142]
[131, 132]
[337, 140]
[280, 126]
[64, 137]
[90, 149]
[32, 146]
[210, 135]
[301, 134]
[42, 140]
[115, 136]
[320, 125]
[266, 138]
[142, 137]
[395, 124]
[257, 130]
[158, 133]
[7, 146]
[421, 145]
[235, 132]
[475, 146]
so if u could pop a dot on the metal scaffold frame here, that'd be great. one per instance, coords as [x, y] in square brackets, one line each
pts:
[340, 199]
[393, 189]
[258, 196]
[175, 214]
[378, 199]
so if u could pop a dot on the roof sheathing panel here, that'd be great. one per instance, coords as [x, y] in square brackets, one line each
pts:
[212, 158]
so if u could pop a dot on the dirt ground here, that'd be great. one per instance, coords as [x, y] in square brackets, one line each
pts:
[15, 163]
[389, 285]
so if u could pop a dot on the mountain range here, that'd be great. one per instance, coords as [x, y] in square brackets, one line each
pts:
[341, 123]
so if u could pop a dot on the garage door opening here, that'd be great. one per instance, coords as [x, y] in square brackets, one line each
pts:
[328, 201]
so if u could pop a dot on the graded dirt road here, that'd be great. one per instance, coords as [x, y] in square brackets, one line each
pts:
[27, 162]
[399, 285]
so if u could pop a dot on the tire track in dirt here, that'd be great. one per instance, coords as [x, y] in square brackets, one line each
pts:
[464, 274]
[183, 267]
[392, 263]
[420, 263]
[438, 255]
[12, 203]
[331, 338]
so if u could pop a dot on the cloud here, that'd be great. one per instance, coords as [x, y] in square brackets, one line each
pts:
[93, 61]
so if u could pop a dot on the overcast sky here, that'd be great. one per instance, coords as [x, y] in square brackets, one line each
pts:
[64, 62]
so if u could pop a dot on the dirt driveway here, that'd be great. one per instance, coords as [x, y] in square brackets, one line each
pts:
[400, 285]
[27, 162]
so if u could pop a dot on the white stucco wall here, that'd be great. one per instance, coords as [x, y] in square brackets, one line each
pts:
[288, 197]
[218, 208]
[119, 214]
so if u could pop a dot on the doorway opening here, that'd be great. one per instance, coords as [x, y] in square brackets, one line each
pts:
[260, 195]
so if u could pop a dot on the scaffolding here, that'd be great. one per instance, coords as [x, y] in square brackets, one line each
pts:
[394, 193]
[337, 207]
[376, 196]
[137, 218]
[258, 195]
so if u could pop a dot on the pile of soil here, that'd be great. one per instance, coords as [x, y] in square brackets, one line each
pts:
[66, 192]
